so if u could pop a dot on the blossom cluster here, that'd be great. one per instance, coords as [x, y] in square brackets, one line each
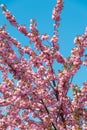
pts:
[36, 97]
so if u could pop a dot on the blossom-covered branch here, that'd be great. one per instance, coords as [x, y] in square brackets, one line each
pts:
[33, 94]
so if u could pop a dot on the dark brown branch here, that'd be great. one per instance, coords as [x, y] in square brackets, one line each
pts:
[48, 113]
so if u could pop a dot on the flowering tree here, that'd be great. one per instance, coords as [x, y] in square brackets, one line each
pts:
[38, 100]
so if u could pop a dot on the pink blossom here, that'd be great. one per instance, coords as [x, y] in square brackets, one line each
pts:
[85, 63]
[45, 37]
[22, 29]
[54, 39]
[33, 91]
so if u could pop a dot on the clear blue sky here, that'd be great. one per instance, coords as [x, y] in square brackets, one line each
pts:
[73, 22]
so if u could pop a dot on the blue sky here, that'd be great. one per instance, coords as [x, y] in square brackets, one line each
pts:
[73, 22]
